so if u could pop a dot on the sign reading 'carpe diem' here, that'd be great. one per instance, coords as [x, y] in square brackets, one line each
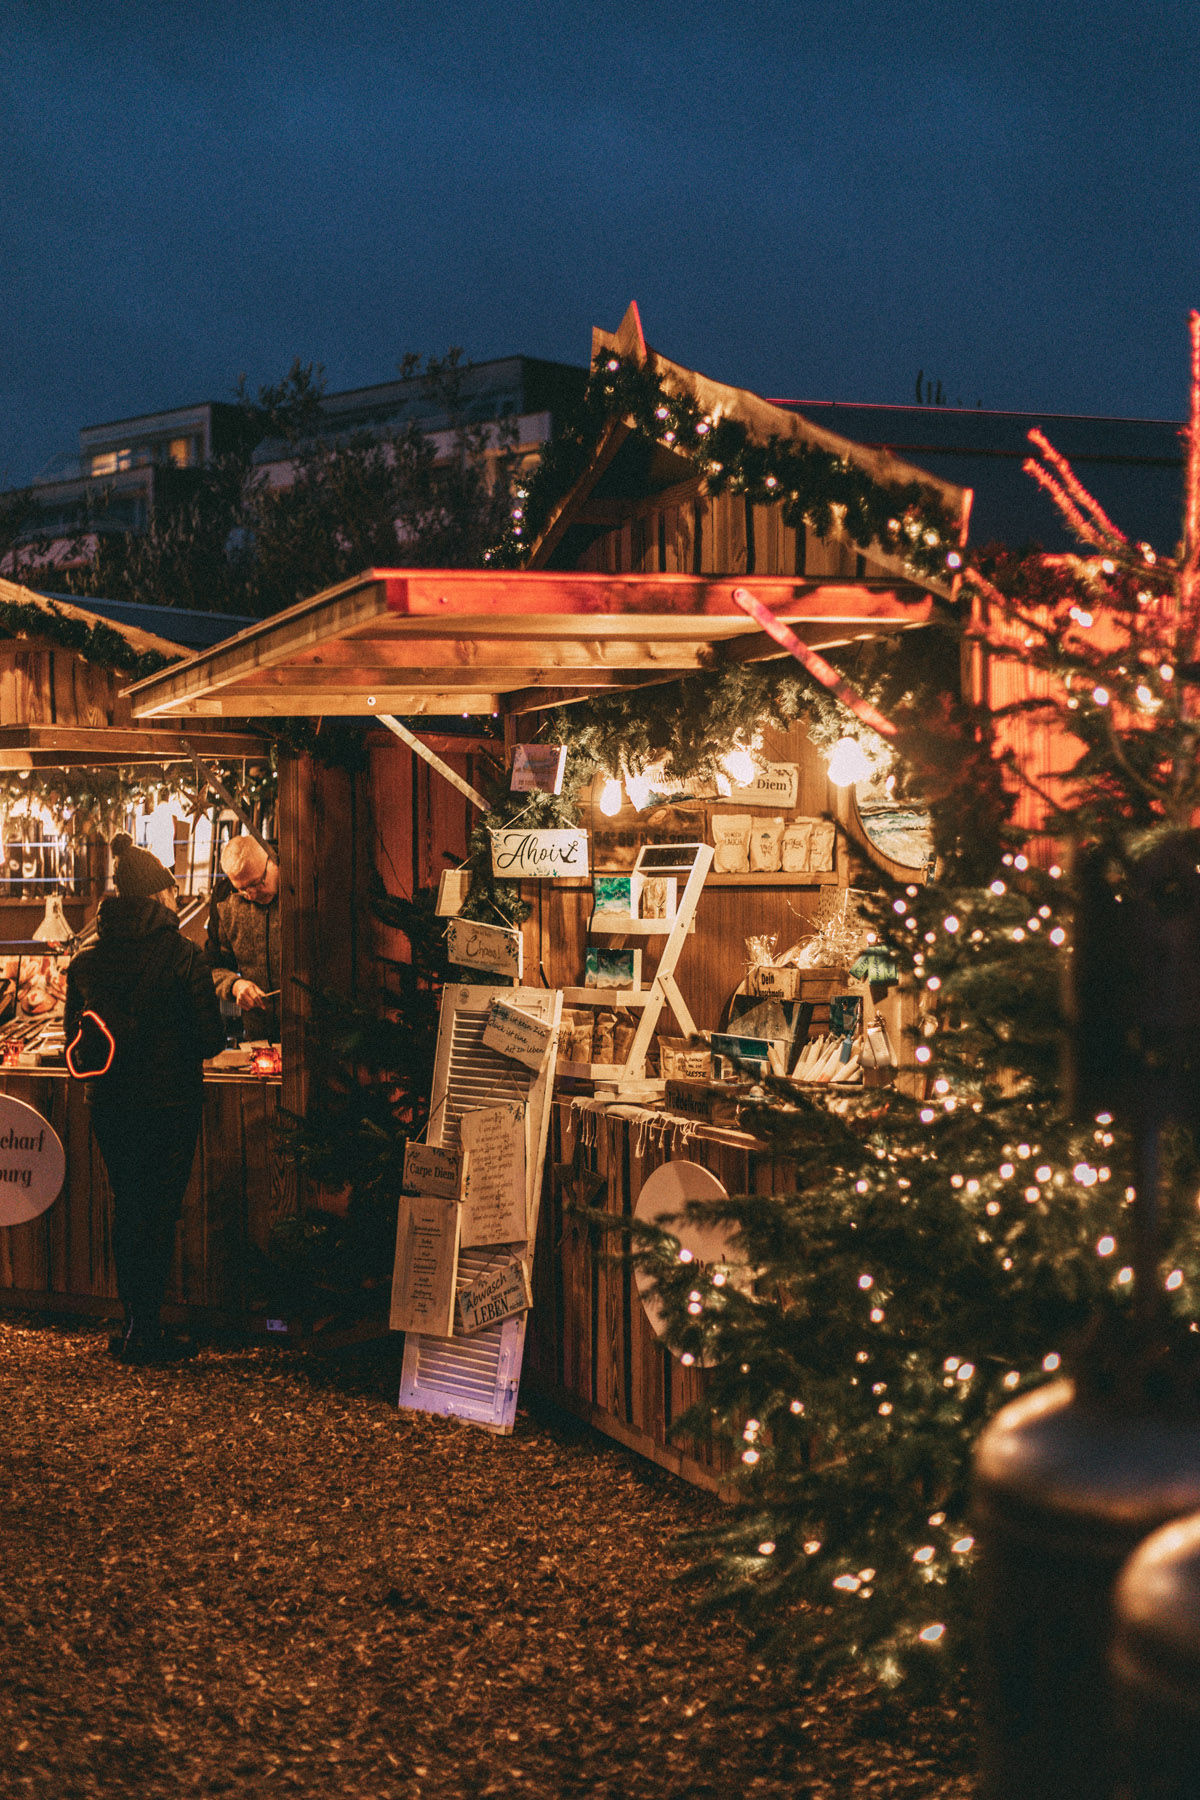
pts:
[476, 946]
[32, 1162]
[428, 1169]
[539, 855]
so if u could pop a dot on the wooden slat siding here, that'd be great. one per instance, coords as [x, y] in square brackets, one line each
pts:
[543, 1340]
[297, 914]
[647, 1410]
[231, 1200]
[609, 1389]
[577, 1298]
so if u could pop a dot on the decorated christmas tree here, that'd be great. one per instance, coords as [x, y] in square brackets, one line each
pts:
[954, 1239]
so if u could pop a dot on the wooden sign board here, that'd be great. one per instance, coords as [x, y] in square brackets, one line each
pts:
[539, 855]
[492, 947]
[426, 1266]
[774, 984]
[428, 1169]
[776, 784]
[497, 1294]
[518, 1034]
[538, 769]
[697, 1100]
[495, 1206]
[33, 1162]
[453, 889]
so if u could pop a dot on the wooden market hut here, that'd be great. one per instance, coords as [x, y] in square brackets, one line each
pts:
[638, 578]
[63, 671]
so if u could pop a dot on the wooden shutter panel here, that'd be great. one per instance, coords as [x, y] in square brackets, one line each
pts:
[477, 1377]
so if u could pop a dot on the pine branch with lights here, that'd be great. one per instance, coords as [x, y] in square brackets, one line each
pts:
[941, 1249]
[814, 486]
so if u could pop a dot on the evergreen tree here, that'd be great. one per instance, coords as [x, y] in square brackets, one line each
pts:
[949, 1242]
[223, 538]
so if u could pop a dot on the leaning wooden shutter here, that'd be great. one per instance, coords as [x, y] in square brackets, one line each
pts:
[477, 1377]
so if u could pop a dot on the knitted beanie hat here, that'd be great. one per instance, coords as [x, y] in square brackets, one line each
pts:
[138, 874]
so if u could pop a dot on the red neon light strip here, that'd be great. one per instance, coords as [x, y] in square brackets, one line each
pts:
[816, 665]
[91, 1074]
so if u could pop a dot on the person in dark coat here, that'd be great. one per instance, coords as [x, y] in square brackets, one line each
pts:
[146, 1109]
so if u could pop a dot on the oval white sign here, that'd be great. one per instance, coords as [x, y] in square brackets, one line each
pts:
[33, 1162]
[666, 1193]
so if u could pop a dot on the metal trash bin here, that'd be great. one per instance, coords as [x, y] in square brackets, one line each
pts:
[1064, 1491]
[1155, 1664]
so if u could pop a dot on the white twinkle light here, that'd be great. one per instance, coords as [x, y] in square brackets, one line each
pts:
[848, 763]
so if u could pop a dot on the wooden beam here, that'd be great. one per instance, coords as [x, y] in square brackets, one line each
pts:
[611, 439]
[81, 746]
[435, 762]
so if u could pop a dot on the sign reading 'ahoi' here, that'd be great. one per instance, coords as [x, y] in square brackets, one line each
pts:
[539, 855]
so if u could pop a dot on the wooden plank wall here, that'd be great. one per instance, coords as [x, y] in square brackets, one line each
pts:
[590, 1344]
[238, 1188]
[717, 534]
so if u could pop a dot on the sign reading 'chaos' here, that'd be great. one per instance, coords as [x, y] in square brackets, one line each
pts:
[32, 1162]
[539, 855]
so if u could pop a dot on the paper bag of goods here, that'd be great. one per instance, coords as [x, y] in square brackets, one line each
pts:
[731, 836]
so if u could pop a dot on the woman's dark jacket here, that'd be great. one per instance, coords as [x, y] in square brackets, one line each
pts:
[141, 965]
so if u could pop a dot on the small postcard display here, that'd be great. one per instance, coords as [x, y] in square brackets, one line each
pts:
[538, 769]
[657, 898]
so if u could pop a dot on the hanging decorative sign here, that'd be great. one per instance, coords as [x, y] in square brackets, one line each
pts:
[32, 1162]
[491, 947]
[539, 855]
[775, 784]
[538, 769]
[495, 1206]
[426, 1265]
[428, 1169]
[517, 1034]
[496, 1294]
[453, 889]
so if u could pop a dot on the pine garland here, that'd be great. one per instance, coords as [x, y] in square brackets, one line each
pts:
[99, 644]
[814, 486]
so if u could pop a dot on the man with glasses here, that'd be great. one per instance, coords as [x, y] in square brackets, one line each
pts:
[243, 936]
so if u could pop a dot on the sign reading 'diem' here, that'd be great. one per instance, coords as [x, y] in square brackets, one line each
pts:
[32, 1162]
[539, 855]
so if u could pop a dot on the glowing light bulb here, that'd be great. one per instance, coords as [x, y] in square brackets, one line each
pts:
[740, 766]
[638, 789]
[610, 798]
[932, 1634]
[848, 763]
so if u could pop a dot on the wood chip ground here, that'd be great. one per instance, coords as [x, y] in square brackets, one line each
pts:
[249, 1574]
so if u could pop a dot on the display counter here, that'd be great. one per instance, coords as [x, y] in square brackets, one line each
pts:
[239, 1187]
[591, 1346]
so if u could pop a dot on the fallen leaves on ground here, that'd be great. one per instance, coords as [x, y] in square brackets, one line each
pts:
[251, 1573]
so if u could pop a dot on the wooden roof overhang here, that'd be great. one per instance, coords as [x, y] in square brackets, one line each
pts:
[68, 737]
[25, 747]
[444, 642]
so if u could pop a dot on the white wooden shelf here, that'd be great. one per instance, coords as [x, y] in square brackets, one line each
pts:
[625, 925]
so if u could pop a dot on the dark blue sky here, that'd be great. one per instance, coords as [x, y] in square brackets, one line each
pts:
[813, 199]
